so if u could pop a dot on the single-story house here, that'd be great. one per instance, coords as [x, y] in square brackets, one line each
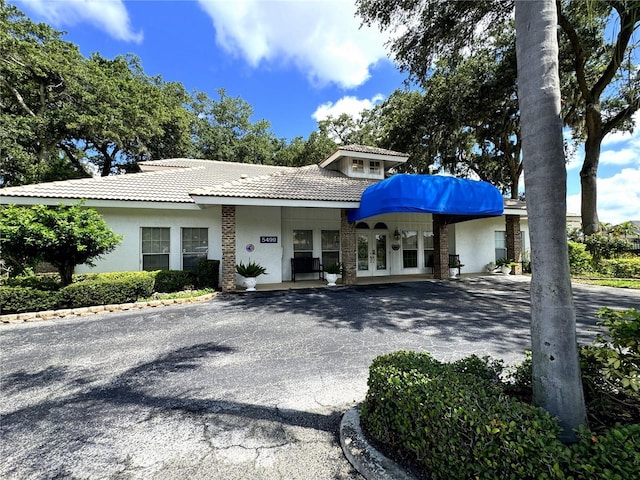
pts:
[177, 211]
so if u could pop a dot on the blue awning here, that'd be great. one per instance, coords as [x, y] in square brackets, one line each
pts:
[456, 199]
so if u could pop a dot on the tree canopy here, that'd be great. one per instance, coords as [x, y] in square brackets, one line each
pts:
[598, 70]
[66, 116]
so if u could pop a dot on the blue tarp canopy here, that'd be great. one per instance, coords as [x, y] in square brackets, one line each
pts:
[456, 199]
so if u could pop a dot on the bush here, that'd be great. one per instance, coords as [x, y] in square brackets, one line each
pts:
[453, 424]
[580, 261]
[106, 291]
[26, 299]
[38, 282]
[456, 420]
[623, 267]
[208, 273]
[168, 281]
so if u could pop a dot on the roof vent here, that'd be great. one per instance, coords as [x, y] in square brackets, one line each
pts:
[244, 175]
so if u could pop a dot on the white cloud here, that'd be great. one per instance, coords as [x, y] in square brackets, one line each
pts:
[352, 106]
[110, 16]
[322, 38]
[618, 197]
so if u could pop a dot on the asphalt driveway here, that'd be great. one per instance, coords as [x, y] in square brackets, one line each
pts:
[239, 387]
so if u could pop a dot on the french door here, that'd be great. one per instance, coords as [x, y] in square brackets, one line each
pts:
[373, 253]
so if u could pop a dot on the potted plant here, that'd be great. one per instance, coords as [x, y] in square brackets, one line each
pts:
[490, 267]
[250, 272]
[333, 271]
[454, 267]
[504, 265]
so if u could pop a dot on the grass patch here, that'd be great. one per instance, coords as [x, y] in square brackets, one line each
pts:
[608, 282]
[182, 294]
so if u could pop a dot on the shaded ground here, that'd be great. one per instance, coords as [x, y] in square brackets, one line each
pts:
[243, 386]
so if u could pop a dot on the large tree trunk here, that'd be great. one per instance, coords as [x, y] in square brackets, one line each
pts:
[557, 385]
[589, 172]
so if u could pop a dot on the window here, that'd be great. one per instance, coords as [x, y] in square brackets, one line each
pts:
[357, 166]
[427, 238]
[374, 167]
[500, 244]
[155, 248]
[330, 247]
[302, 243]
[195, 247]
[362, 225]
[409, 249]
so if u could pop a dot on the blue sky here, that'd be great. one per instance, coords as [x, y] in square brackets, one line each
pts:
[294, 61]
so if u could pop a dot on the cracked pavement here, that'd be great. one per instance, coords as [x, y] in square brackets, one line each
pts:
[242, 386]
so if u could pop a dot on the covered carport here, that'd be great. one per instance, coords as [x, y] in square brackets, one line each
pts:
[450, 200]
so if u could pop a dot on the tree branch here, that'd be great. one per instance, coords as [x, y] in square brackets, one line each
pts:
[579, 58]
[19, 98]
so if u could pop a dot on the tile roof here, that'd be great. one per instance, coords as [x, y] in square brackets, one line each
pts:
[304, 183]
[164, 185]
[374, 150]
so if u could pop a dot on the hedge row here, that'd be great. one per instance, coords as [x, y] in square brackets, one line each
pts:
[32, 294]
[456, 421]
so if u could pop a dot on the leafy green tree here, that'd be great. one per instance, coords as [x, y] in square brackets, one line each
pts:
[599, 83]
[39, 78]
[64, 236]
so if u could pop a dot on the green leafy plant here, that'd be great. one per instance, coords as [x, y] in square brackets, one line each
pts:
[251, 269]
[334, 268]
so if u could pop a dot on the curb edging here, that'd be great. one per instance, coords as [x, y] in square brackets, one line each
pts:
[368, 461]
[14, 318]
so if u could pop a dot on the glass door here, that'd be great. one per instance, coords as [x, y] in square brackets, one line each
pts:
[373, 253]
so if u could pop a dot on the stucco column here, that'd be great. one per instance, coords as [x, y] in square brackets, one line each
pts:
[228, 248]
[514, 242]
[440, 248]
[348, 249]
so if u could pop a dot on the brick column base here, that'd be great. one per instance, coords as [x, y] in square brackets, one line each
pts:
[228, 248]
[440, 248]
[348, 249]
[514, 242]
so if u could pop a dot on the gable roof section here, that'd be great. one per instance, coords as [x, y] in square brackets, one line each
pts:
[310, 183]
[170, 184]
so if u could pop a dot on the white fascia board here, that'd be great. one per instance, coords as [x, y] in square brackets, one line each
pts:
[95, 203]
[205, 200]
[515, 211]
[390, 160]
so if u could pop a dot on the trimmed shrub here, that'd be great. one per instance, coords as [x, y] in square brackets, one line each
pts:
[168, 281]
[103, 292]
[623, 267]
[453, 424]
[38, 282]
[580, 261]
[26, 299]
[208, 273]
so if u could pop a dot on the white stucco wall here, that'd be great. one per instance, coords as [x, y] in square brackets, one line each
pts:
[316, 219]
[128, 222]
[475, 241]
[251, 224]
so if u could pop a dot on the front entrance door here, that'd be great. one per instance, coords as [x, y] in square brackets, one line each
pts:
[373, 253]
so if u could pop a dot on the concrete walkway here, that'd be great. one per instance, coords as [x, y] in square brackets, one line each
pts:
[240, 386]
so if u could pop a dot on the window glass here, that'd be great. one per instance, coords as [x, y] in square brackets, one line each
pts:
[155, 248]
[409, 249]
[195, 246]
[302, 243]
[330, 247]
[374, 167]
[357, 165]
[500, 244]
[427, 238]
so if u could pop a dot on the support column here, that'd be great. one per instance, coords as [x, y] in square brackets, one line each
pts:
[514, 242]
[228, 248]
[348, 249]
[440, 248]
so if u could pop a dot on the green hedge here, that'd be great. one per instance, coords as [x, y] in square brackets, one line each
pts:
[208, 273]
[455, 420]
[27, 299]
[104, 292]
[622, 267]
[168, 281]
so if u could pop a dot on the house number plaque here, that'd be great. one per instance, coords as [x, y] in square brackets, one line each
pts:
[272, 239]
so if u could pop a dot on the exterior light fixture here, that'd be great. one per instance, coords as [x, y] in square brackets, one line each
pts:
[396, 234]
